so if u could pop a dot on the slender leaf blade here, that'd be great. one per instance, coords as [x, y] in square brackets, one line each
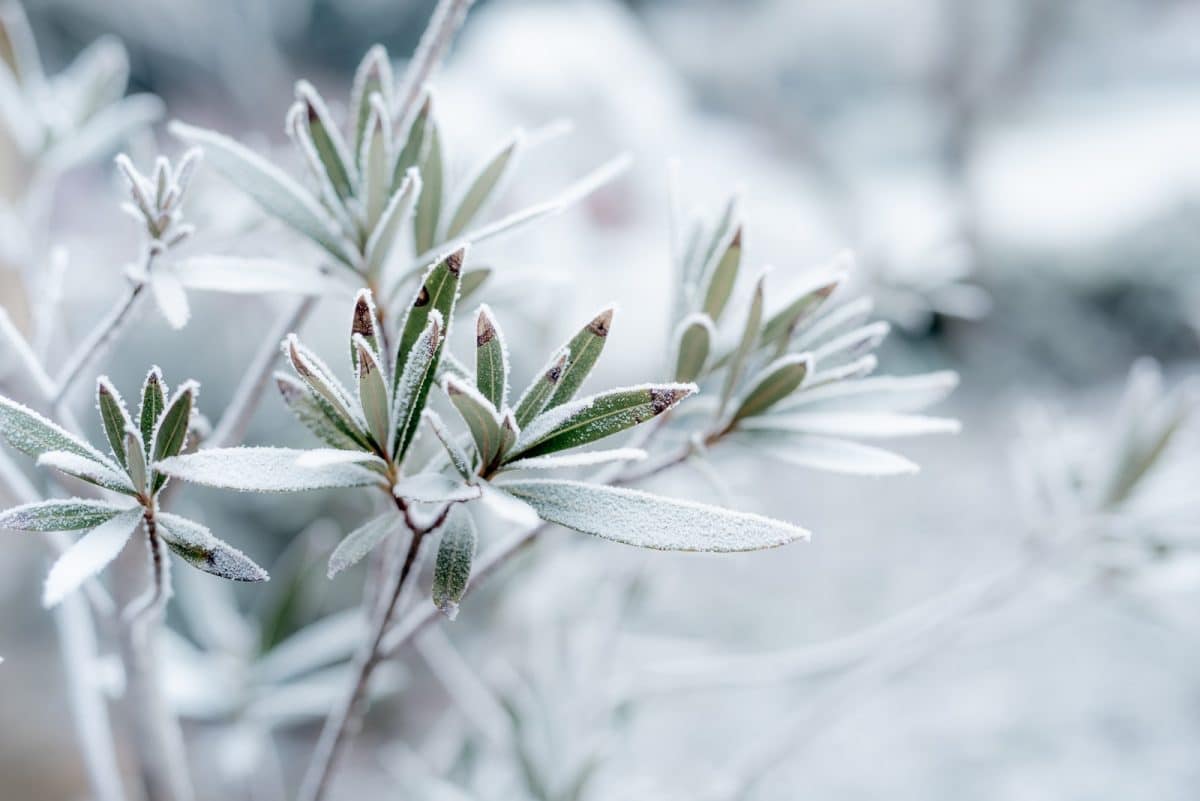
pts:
[452, 568]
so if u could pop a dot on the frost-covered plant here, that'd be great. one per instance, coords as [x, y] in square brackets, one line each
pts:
[164, 425]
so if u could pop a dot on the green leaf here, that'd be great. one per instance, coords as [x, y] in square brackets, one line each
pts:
[481, 418]
[429, 204]
[452, 569]
[535, 397]
[484, 186]
[775, 382]
[597, 417]
[584, 349]
[154, 401]
[263, 470]
[373, 394]
[509, 432]
[171, 433]
[362, 540]
[780, 326]
[412, 391]
[276, 192]
[32, 434]
[741, 353]
[439, 291]
[331, 148]
[321, 380]
[399, 208]
[695, 338]
[102, 475]
[416, 144]
[724, 276]
[197, 546]
[373, 76]
[638, 518]
[69, 514]
[491, 359]
[114, 417]
[457, 457]
[315, 414]
[375, 157]
[135, 453]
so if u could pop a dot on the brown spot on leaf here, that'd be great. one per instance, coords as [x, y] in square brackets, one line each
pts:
[485, 332]
[422, 298]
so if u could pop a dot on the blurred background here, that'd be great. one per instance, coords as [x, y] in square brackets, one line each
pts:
[1020, 182]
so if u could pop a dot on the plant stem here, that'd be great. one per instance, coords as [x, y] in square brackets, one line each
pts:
[231, 429]
[344, 721]
[99, 340]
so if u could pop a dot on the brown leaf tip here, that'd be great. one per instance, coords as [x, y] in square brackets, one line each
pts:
[600, 326]
[455, 260]
[288, 389]
[485, 329]
[663, 398]
[737, 238]
[364, 316]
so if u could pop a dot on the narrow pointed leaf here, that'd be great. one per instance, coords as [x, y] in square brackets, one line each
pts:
[171, 433]
[321, 381]
[32, 434]
[780, 325]
[695, 338]
[373, 394]
[724, 276]
[395, 214]
[584, 349]
[458, 458]
[276, 192]
[741, 354]
[262, 470]
[480, 416]
[535, 397]
[364, 324]
[484, 186]
[412, 390]
[135, 453]
[599, 416]
[335, 156]
[834, 321]
[114, 417]
[417, 142]
[373, 76]
[429, 204]
[196, 545]
[59, 515]
[375, 158]
[439, 291]
[154, 401]
[315, 414]
[509, 432]
[362, 540]
[86, 470]
[776, 381]
[452, 568]
[638, 518]
[89, 555]
[491, 359]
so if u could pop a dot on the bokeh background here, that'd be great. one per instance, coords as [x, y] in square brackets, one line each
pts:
[1020, 181]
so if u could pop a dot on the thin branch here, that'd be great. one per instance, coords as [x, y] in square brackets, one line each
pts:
[231, 429]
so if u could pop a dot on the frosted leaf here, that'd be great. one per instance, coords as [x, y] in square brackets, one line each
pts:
[89, 556]
[826, 453]
[638, 518]
[274, 190]
[32, 434]
[533, 400]
[751, 329]
[412, 385]
[324, 457]
[114, 416]
[880, 393]
[853, 343]
[693, 341]
[262, 470]
[858, 424]
[586, 459]
[491, 359]
[238, 275]
[396, 213]
[509, 508]
[583, 350]
[772, 384]
[59, 515]
[196, 545]
[452, 568]
[843, 317]
[362, 541]
[458, 457]
[485, 185]
[87, 470]
[434, 488]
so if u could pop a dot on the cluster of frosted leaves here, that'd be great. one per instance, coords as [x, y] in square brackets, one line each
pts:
[129, 469]
[795, 383]
[376, 182]
[1122, 475]
[76, 115]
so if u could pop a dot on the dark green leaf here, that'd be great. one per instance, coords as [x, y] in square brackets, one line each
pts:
[480, 416]
[331, 148]
[114, 417]
[412, 391]
[70, 514]
[491, 359]
[535, 397]
[171, 433]
[154, 401]
[439, 290]
[584, 349]
[775, 382]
